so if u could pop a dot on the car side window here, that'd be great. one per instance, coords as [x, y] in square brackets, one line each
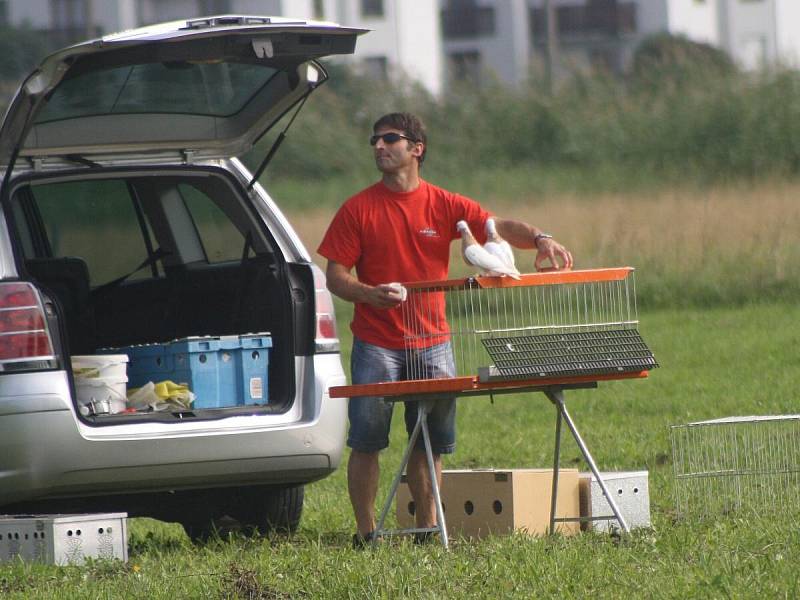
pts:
[95, 220]
[221, 239]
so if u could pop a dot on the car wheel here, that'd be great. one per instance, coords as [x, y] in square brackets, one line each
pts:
[201, 514]
[267, 509]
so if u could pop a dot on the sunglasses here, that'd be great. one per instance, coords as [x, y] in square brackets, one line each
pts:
[389, 138]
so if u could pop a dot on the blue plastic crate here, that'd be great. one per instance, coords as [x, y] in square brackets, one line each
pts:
[221, 371]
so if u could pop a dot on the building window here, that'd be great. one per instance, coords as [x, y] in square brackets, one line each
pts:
[465, 19]
[596, 17]
[371, 8]
[376, 67]
[464, 66]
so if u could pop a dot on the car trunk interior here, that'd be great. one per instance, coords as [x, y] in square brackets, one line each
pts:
[140, 257]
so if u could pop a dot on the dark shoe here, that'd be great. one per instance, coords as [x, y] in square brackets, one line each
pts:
[423, 537]
[362, 541]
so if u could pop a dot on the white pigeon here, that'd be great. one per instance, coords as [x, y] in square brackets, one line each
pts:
[498, 246]
[477, 256]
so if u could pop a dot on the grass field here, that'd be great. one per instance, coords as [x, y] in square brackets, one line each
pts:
[712, 269]
[714, 362]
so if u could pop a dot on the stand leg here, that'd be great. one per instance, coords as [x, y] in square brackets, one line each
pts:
[557, 397]
[556, 454]
[396, 482]
[440, 522]
[423, 408]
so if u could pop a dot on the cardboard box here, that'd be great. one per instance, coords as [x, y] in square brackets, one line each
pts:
[63, 539]
[631, 493]
[482, 502]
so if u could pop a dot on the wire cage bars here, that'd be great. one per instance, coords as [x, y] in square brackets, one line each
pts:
[542, 326]
[746, 465]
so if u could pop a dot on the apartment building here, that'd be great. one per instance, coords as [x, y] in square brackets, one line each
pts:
[507, 39]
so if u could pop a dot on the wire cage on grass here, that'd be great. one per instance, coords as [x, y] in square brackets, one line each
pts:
[748, 465]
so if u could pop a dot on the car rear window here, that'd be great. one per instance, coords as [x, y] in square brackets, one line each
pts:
[222, 241]
[97, 221]
[180, 87]
[115, 224]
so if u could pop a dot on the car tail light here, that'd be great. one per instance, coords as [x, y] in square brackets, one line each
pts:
[327, 336]
[24, 336]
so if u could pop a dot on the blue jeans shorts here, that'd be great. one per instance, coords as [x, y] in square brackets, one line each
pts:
[371, 416]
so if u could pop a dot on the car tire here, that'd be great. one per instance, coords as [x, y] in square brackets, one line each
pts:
[267, 509]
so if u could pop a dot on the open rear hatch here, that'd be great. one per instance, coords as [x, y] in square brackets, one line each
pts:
[202, 89]
[208, 87]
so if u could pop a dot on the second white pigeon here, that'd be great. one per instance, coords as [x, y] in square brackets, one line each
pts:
[496, 245]
[478, 256]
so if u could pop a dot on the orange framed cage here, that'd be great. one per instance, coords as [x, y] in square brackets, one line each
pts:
[550, 328]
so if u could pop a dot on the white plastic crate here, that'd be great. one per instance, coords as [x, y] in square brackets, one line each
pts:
[63, 539]
[631, 493]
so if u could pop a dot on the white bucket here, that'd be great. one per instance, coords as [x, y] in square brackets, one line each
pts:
[101, 381]
[100, 365]
[100, 392]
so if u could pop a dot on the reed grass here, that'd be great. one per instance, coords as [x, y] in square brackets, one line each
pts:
[730, 244]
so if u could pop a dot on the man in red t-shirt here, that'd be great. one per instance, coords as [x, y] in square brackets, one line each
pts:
[400, 229]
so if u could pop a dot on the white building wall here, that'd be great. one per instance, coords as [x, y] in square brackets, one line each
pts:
[407, 36]
[749, 32]
[302, 9]
[787, 20]
[127, 18]
[35, 13]
[419, 44]
[696, 20]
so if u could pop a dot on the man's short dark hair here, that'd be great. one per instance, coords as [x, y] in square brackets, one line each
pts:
[411, 125]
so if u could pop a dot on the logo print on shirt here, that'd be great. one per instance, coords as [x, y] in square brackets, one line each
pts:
[429, 232]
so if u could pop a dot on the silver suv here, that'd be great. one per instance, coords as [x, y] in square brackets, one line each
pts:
[125, 222]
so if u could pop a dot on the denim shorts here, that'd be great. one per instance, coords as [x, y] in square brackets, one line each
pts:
[371, 416]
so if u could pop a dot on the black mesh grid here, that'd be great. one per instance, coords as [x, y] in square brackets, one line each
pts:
[578, 353]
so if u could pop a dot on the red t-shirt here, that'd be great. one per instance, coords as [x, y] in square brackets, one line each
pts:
[389, 236]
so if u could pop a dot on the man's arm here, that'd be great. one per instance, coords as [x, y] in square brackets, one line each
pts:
[521, 235]
[344, 284]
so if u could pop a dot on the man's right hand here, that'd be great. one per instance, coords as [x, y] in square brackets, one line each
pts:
[342, 283]
[384, 295]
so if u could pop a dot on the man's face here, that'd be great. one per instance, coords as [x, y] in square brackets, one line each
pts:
[392, 157]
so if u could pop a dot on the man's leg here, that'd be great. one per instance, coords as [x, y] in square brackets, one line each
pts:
[362, 483]
[419, 483]
[370, 419]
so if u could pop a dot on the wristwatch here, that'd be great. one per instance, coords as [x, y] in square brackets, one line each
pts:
[541, 236]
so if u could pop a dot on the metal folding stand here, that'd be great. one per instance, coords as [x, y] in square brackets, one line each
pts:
[423, 409]
[556, 396]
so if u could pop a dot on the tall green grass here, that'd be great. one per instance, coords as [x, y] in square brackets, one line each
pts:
[608, 134]
[691, 245]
